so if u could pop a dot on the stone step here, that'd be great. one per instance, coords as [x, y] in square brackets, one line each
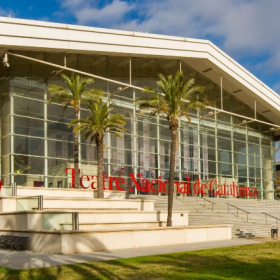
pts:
[178, 217]
[201, 213]
[114, 226]
[90, 209]
[85, 203]
[9, 204]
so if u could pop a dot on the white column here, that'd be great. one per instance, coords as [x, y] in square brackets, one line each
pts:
[158, 149]
[12, 131]
[216, 149]
[179, 149]
[268, 182]
[247, 157]
[45, 137]
[135, 134]
[232, 155]
[261, 167]
[221, 84]
[198, 147]
[109, 135]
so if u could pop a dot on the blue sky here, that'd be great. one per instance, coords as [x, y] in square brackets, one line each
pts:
[247, 30]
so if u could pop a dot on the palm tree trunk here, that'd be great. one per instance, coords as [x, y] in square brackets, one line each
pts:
[76, 154]
[173, 129]
[99, 146]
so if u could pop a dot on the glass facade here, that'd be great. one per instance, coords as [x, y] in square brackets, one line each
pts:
[37, 145]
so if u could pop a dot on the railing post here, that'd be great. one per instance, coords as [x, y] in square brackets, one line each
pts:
[14, 190]
[75, 220]
[40, 203]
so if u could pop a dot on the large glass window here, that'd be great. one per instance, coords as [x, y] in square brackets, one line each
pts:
[211, 146]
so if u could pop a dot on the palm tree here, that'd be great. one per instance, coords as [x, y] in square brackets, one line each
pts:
[75, 92]
[99, 122]
[277, 192]
[176, 100]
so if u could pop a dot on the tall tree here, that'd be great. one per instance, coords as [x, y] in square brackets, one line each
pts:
[174, 99]
[75, 91]
[100, 121]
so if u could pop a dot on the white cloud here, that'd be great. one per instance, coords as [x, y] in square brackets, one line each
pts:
[73, 3]
[110, 14]
[276, 88]
[242, 27]
[87, 12]
[6, 13]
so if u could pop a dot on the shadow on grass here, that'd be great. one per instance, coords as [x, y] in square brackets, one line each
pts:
[91, 270]
[76, 271]
[248, 263]
[194, 266]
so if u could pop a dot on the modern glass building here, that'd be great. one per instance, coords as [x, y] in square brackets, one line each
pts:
[231, 141]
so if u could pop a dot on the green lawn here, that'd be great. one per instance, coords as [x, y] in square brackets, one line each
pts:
[261, 261]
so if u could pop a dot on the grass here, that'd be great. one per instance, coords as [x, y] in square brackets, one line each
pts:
[252, 262]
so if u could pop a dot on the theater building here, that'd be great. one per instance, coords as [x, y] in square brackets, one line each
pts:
[230, 141]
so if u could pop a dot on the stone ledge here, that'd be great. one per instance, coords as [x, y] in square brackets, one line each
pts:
[60, 232]
[70, 242]
[117, 210]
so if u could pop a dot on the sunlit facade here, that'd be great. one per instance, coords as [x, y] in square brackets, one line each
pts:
[37, 145]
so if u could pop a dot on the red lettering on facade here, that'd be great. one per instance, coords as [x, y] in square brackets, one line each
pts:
[145, 185]
[81, 181]
[118, 182]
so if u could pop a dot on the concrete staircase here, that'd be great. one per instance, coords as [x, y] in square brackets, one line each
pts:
[73, 221]
[210, 211]
[93, 214]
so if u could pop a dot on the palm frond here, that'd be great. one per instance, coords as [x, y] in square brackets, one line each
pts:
[172, 101]
[75, 91]
[100, 121]
[149, 90]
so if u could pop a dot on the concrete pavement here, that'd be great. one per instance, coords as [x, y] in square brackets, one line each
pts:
[27, 259]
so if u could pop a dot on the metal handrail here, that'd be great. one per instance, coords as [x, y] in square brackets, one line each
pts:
[208, 201]
[75, 220]
[268, 200]
[267, 214]
[40, 202]
[237, 208]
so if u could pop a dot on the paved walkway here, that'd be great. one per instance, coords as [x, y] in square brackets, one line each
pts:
[27, 259]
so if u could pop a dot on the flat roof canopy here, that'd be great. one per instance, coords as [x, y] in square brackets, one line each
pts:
[201, 55]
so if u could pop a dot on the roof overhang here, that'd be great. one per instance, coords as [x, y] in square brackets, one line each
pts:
[202, 55]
